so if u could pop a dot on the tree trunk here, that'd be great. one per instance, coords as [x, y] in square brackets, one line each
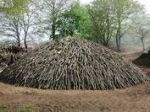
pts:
[18, 36]
[18, 41]
[25, 43]
[53, 36]
[143, 44]
[53, 31]
[118, 42]
[118, 36]
[25, 40]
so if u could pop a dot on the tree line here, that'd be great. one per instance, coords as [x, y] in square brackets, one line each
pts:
[101, 21]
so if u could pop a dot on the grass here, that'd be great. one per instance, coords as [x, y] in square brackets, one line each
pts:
[25, 109]
[19, 109]
[3, 109]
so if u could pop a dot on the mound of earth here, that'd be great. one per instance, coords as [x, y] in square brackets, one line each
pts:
[71, 64]
[143, 60]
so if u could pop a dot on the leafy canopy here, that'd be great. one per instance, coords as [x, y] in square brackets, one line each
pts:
[75, 21]
[13, 7]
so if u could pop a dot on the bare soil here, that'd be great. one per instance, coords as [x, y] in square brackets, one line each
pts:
[22, 99]
[17, 99]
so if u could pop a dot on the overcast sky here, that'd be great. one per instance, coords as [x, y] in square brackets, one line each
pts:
[85, 1]
[146, 3]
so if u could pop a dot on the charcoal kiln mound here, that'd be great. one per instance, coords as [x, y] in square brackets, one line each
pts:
[143, 60]
[73, 64]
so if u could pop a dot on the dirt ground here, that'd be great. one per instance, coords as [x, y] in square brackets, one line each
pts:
[17, 99]
[21, 99]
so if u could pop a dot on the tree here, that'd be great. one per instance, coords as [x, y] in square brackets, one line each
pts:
[141, 26]
[20, 27]
[102, 20]
[13, 7]
[75, 21]
[54, 9]
[11, 28]
[12, 12]
[29, 22]
[122, 11]
[111, 19]
[66, 24]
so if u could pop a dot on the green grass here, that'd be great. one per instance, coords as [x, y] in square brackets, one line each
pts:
[3, 109]
[19, 109]
[25, 109]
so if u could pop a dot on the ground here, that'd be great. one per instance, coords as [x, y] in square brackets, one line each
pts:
[17, 99]
[22, 99]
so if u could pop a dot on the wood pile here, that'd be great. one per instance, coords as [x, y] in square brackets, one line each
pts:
[73, 64]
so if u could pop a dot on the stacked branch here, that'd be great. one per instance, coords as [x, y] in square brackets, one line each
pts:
[143, 60]
[10, 54]
[73, 64]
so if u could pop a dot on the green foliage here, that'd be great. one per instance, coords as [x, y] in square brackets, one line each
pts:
[102, 19]
[83, 20]
[14, 7]
[111, 19]
[122, 10]
[75, 21]
[67, 24]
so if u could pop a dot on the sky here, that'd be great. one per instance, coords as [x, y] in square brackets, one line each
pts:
[146, 3]
[85, 1]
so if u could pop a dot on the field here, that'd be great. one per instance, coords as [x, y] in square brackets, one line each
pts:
[21, 99]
